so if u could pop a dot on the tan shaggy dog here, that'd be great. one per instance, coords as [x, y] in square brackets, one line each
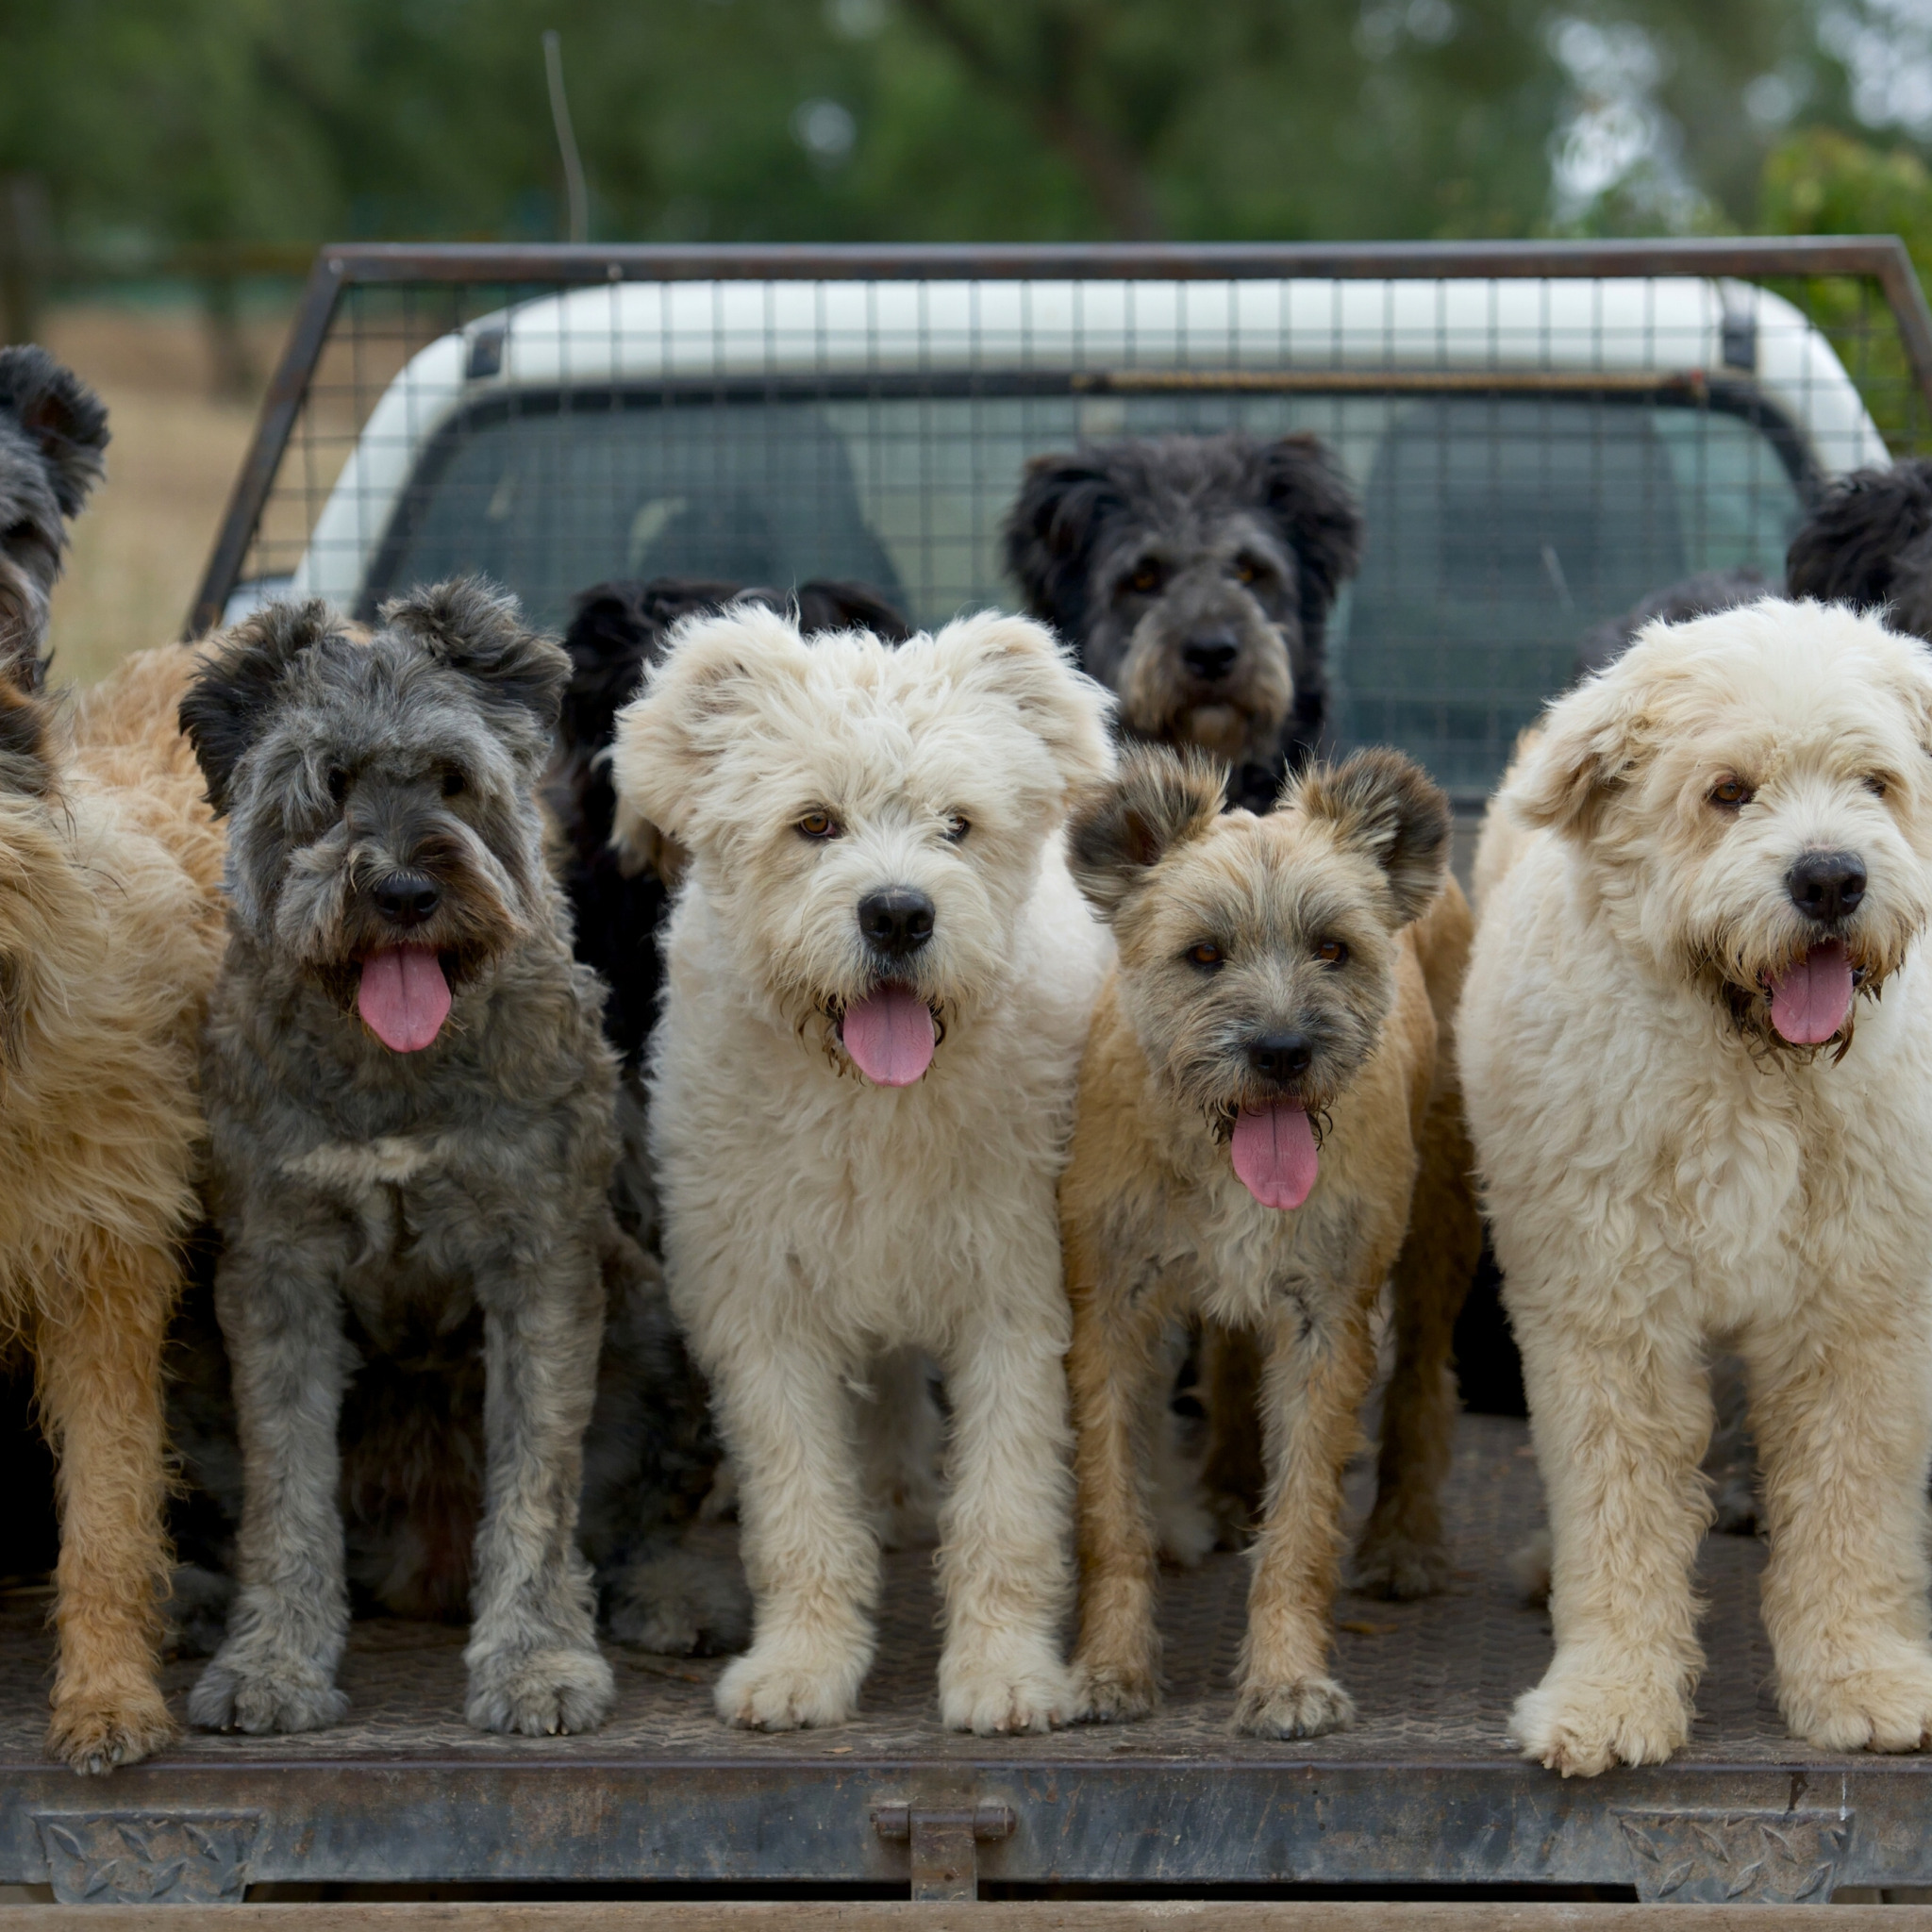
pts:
[1250, 1110]
[110, 928]
[1700, 1127]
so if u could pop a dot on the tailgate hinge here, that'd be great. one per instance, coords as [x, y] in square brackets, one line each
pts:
[944, 1845]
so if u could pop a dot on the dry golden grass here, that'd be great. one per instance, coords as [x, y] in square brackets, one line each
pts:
[140, 548]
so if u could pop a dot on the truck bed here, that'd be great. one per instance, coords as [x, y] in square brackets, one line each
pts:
[1421, 1791]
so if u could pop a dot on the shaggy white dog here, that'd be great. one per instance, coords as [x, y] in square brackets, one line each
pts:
[878, 980]
[1698, 1125]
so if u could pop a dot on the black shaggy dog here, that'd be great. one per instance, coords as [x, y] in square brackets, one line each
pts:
[620, 627]
[1194, 576]
[1868, 542]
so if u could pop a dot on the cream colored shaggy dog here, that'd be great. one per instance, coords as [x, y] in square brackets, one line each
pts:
[1700, 1125]
[878, 980]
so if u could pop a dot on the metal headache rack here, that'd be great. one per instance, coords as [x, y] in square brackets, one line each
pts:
[1542, 434]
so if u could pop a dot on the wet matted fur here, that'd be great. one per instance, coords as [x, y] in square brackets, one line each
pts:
[1664, 1170]
[813, 1219]
[381, 795]
[1262, 960]
[1194, 576]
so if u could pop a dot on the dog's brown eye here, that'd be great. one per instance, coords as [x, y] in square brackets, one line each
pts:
[1246, 569]
[1332, 952]
[452, 783]
[819, 825]
[1147, 579]
[1207, 955]
[1875, 786]
[1730, 793]
[338, 783]
[957, 826]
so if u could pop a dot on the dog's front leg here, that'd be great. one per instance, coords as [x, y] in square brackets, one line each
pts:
[281, 1316]
[809, 1542]
[1843, 1416]
[100, 1370]
[1004, 1530]
[1320, 1363]
[533, 1658]
[1620, 1421]
[1115, 1369]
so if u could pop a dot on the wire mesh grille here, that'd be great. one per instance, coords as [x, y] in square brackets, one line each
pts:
[1532, 456]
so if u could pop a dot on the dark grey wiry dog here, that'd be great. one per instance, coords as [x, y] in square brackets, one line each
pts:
[410, 1102]
[1194, 576]
[53, 429]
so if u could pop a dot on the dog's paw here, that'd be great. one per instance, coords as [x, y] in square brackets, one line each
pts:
[1306, 1707]
[1582, 1722]
[770, 1693]
[1401, 1567]
[992, 1699]
[94, 1738]
[288, 1696]
[1111, 1695]
[1885, 1707]
[540, 1694]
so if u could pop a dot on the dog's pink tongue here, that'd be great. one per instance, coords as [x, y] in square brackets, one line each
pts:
[1275, 1156]
[1809, 1001]
[889, 1036]
[404, 998]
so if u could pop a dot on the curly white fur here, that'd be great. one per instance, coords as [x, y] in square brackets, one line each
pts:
[1663, 1176]
[814, 1220]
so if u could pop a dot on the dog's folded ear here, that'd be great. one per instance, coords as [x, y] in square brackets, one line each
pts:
[1161, 800]
[1050, 532]
[1308, 494]
[234, 691]
[64, 417]
[1021, 662]
[479, 630]
[703, 695]
[1386, 807]
[1583, 754]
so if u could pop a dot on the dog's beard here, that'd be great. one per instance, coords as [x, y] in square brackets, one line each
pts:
[1744, 994]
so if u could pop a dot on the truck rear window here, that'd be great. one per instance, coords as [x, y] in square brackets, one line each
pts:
[1501, 526]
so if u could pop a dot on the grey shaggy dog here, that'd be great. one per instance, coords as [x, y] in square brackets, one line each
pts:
[53, 429]
[1194, 576]
[410, 1102]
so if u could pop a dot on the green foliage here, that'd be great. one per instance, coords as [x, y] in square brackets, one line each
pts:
[185, 121]
[1820, 182]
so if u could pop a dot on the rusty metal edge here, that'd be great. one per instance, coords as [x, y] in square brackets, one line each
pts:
[1882, 257]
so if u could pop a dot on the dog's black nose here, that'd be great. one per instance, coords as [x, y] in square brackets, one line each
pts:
[1280, 1056]
[1827, 885]
[1210, 659]
[896, 922]
[407, 898]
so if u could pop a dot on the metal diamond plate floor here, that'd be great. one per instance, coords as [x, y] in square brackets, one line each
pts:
[1423, 1790]
[1433, 1680]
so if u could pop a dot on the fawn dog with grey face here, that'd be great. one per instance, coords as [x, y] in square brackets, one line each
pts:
[1249, 1111]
